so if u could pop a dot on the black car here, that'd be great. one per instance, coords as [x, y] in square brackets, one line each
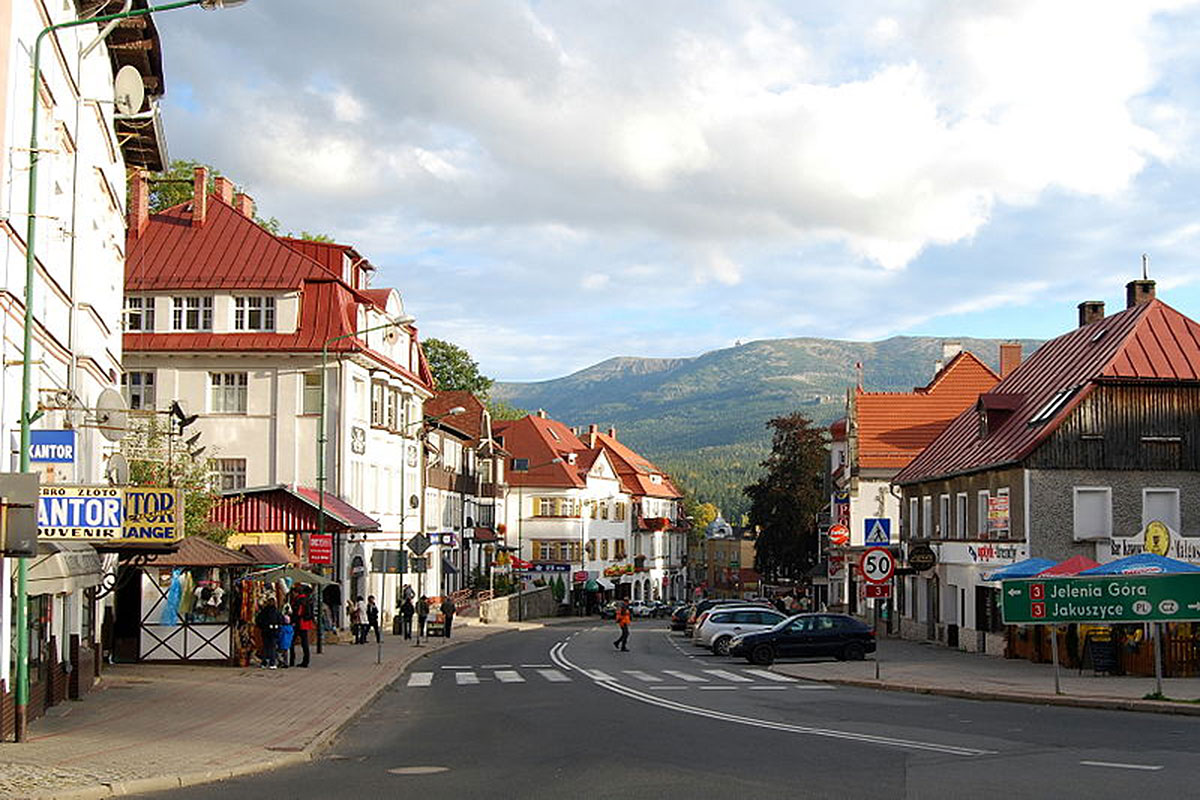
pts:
[806, 636]
[679, 618]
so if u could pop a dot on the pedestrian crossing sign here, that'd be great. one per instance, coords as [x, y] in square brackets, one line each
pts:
[878, 531]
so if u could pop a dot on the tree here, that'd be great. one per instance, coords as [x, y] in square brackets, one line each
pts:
[499, 409]
[454, 369]
[785, 501]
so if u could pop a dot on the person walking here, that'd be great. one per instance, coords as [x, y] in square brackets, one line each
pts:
[407, 609]
[372, 619]
[269, 622]
[303, 622]
[358, 620]
[448, 609]
[422, 615]
[623, 619]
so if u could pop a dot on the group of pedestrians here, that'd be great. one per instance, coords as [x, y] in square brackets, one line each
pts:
[420, 609]
[282, 629]
[364, 618]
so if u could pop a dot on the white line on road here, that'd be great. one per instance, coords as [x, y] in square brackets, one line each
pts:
[769, 688]
[667, 688]
[1115, 765]
[553, 675]
[466, 678]
[729, 676]
[496, 666]
[685, 676]
[810, 687]
[459, 666]
[536, 666]
[509, 676]
[645, 677]
[598, 675]
[718, 688]
[771, 676]
[420, 679]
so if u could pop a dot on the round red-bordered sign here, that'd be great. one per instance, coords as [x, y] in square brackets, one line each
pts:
[877, 565]
[839, 535]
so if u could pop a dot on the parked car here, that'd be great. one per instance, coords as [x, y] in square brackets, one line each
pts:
[701, 606]
[662, 609]
[679, 617]
[609, 610]
[721, 624]
[807, 635]
[640, 609]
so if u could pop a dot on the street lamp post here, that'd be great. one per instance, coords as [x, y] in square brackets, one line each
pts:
[521, 529]
[22, 617]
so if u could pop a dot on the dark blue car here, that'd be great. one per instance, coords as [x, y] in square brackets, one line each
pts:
[807, 636]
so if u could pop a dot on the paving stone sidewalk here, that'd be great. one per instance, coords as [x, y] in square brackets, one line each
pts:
[932, 669]
[149, 727]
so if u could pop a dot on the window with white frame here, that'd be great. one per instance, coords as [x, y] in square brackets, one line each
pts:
[981, 513]
[1161, 504]
[231, 473]
[361, 398]
[378, 393]
[139, 313]
[391, 419]
[228, 392]
[138, 388]
[193, 313]
[311, 400]
[927, 517]
[254, 313]
[1092, 512]
[944, 516]
[913, 521]
[960, 515]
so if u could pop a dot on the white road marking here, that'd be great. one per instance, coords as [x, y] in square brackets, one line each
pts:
[496, 666]
[729, 676]
[553, 675]
[420, 679]
[509, 676]
[667, 688]
[769, 688]
[536, 666]
[645, 677]
[771, 676]
[685, 676]
[459, 666]
[810, 687]
[718, 688]
[466, 678]
[598, 675]
[1115, 765]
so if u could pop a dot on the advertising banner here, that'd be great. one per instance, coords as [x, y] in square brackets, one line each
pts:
[133, 515]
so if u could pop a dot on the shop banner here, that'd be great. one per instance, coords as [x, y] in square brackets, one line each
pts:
[320, 548]
[126, 515]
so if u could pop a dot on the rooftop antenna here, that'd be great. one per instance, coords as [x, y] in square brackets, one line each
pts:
[1145, 267]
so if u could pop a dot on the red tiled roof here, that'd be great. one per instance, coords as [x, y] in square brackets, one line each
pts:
[893, 427]
[1148, 342]
[470, 422]
[635, 470]
[541, 440]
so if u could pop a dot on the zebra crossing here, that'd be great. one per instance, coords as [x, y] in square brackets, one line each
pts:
[466, 675]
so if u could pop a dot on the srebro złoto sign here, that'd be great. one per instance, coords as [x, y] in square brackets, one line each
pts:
[132, 514]
[1113, 598]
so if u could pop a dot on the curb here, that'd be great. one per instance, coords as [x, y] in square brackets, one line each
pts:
[1106, 703]
[158, 783]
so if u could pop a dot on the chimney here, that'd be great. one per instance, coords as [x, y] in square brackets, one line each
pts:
[593, 430]
[1138, 292]
[224, 188]
[1010, 357]
[244, 205]
[1090, 311]
[199, 196]
[541, 412]
[139, 203]
[612, 433]
[949, 350]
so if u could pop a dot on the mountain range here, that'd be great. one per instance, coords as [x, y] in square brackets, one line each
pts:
[703, 419]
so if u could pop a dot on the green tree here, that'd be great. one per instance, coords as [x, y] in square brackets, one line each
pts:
[499, 409]
[454, 369]
[157, 458]
[785, 501]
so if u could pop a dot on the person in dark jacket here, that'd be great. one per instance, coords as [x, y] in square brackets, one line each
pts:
[372, 619]
[304, 622]
[448, 609]
[422, 615]
[407, 609]
[269, 621]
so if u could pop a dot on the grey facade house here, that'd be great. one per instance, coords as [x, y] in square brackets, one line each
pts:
[1093, 437]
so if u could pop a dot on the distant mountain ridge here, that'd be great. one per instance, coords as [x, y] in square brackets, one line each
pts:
[703, 418]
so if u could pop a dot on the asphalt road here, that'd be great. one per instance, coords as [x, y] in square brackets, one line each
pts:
[558, 712]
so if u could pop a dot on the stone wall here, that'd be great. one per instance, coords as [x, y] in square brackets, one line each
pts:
[538, 603]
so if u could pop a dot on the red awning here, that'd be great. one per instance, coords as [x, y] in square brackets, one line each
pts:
[1072, 566]
[286, 508]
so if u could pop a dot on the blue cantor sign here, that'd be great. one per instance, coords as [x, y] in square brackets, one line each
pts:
[52, 446]
[133, 514]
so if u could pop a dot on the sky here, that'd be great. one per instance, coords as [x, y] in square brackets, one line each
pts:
[550, 184]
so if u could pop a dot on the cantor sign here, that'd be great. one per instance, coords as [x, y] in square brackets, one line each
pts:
[132, 514]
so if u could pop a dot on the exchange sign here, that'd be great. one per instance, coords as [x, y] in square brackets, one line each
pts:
[130, 515]
[1115, 598]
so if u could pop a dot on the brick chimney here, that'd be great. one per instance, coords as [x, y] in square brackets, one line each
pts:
[224, 188]
[1138, 292]
[244, 205]
[593, 430]
[950, 349]
[1090, 311]
[138, 212]
[541, 412]
[612, 433]
[200, 196]
[1010, 357]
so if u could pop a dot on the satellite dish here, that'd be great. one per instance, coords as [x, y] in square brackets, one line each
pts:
[117, 470]
[111, 415]
[129, 90]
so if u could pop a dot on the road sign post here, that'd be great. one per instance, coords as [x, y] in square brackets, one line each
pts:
[877, 565]
[877, 532]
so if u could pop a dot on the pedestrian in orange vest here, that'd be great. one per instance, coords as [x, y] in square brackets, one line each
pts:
[623, 620]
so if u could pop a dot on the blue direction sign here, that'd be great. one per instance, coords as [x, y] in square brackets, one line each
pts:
[878, 531]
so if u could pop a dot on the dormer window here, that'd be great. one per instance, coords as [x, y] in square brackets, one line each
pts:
[656, 479]
[570, 458]
[192, 313]
[139, 313]
[254, 313]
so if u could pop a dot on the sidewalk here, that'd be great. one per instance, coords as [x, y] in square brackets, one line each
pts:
[932, 669]
[149, 727]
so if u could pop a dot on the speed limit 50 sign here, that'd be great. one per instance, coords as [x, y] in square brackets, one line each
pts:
[877, 565]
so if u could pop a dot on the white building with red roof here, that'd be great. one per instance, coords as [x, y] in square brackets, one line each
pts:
[230, 321]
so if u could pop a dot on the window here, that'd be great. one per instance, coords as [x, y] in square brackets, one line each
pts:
[944, 516]
[1161, 505]
[619, 549]
[619, 512]
[543, 507]
[914, 529]
[560, 550]
[254, 313]
[981, 514]
[567, 507]
[311, 401]
[139, 313]
[999, 519]
[604, 549]
[138, 388]
[191, 313]
[960, 515]
[393, 403]
[228, 392]
[603, 510]
[378, 388]
[1093, 512]
[927, 517]
[231, 473]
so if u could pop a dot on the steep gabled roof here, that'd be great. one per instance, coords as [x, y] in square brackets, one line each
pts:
[636, 470]
[541, 440]
[470, 422]
[1149, 342]
[893, 427]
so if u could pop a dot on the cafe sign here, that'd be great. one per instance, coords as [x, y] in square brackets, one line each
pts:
[110, 514]
[1158, 538]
